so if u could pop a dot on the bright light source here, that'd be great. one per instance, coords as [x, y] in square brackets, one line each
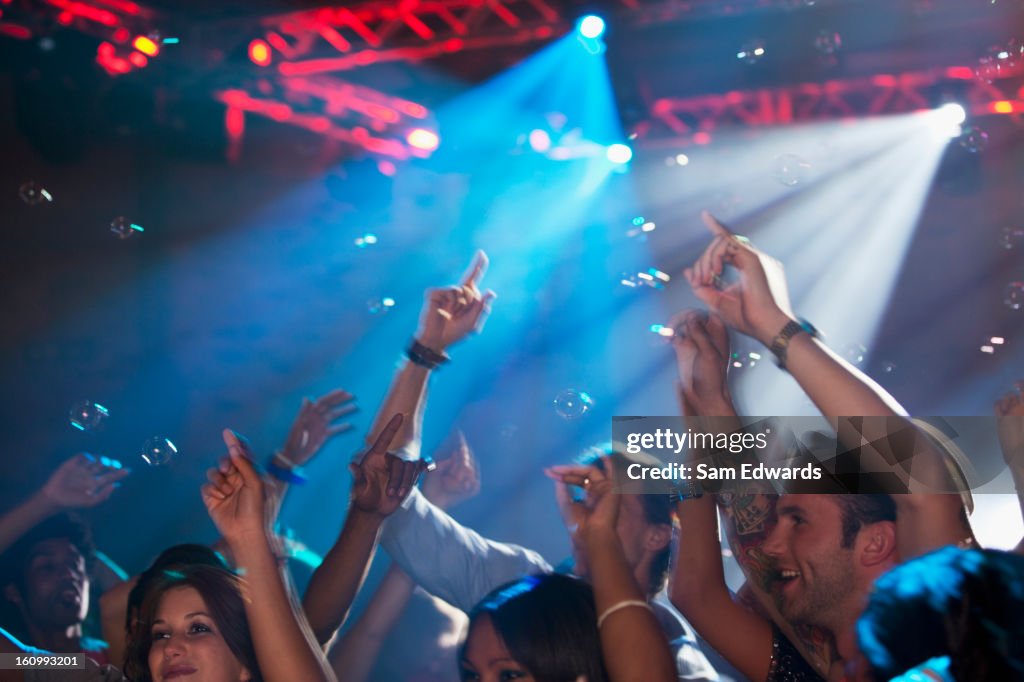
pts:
[945, 121]
[259, 53]
[146, 46]
[619, 153]
[423, 139]
[591, 26]
[952, 113]
[682, 159]
[540, 141]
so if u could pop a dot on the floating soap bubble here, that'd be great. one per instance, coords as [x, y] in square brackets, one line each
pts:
[752, 52]
[368, 239]
[32, 193]
[973, 139]
[652, 278]
[1011, 237]
[572, 404]
[1013, 296]
[642, 230]
[791, 170]
[855, 354]
[122, 228]
[158, 451]
[828, 42]
[380, 306]
[87, 415]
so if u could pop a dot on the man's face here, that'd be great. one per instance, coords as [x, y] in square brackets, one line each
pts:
[56, 590]
[814, 574]
[631, 528]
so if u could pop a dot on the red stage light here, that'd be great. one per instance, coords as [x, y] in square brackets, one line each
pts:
[121, 35]
[15, 31]
[138, 59]
[423, 139]
[259, 53]
[146, 46]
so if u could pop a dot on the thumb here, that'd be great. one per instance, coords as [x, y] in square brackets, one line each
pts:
[238, 458]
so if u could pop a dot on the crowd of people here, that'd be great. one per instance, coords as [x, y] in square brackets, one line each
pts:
[851, 586]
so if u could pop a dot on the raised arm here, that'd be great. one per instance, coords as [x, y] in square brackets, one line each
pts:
[758, 305]
[697, 586]
[80, 482]
[317, 423]
[236, 501]
[1010, 423]
[632, 643]
[353, 655]
[337, 580]
[449, 315]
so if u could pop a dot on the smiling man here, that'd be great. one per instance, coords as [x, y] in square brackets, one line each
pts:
[827, 551]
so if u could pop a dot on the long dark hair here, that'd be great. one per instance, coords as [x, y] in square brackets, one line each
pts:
[548, 623]
[221, 590]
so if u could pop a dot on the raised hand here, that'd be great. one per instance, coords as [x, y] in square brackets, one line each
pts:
[380, 480]
[450, 314]
[456, 479]
[599, 510]
[317, 423]
[83, 481]
[1010, 424]
[235, 496]
[701, 343]
[758, 304]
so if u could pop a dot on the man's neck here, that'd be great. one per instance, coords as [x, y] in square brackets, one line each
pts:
[842, 625]
[59, 640]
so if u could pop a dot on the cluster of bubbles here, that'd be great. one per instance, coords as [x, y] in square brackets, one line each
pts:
[572, 403]
[990, 344]
[652, 277]
[90, 416]
[640, 227]
[973, 139]
[791, 170]
[1000, 61]
[380, 306]
[1011, 237]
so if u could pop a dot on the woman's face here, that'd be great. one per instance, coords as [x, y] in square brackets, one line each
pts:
[485, 658]
[187, 644]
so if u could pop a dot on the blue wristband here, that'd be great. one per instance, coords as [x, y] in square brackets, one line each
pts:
[286, 475]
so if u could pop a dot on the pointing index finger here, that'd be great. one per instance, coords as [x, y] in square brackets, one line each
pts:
[476, 270]
[717, 228]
